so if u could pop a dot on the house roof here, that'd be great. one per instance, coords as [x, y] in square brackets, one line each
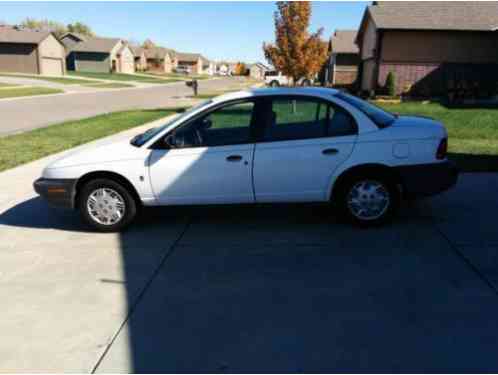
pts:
[13, 34]
[160, 52]
[102, 45]
[435, 15]
[188, 57]
[343, 41]
[259, 65]
[137, 50]
[79, 36]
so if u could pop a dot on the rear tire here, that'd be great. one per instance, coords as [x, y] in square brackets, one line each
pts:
[274, 84]
[369, 199]
[106, 205]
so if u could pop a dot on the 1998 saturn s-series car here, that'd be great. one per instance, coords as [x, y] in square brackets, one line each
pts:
[260, 146]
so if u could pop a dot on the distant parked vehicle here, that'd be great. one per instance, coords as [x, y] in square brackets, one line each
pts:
[182, 69]
[257, 146]
[276, 79]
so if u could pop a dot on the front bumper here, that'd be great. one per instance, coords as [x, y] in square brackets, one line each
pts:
[428, 179]
[57, 192]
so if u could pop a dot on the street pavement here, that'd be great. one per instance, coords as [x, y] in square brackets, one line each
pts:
[250, 289]
[22, 114]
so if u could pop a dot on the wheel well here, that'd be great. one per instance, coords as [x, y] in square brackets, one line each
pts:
[111, 176]
[380, 169]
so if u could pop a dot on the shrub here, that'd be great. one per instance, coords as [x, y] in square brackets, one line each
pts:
[391, 84]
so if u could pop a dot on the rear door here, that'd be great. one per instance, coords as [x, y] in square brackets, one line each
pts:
[303, 141]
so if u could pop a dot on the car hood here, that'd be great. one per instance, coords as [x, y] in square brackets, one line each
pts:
[111, 152]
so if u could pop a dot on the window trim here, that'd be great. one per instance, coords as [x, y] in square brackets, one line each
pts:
[160, 145]
[267, 108]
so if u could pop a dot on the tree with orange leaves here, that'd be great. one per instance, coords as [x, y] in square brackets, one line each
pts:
[296, 52]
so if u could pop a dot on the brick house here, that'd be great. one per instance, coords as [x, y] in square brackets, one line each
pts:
[430, 46]
[193, 62]
[344, 58]
[160, 59]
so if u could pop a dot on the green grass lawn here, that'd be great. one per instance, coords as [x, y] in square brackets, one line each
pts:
[122, 77]
[473, 133]
[26, 91]
[21, 148]
[2, 85]
[61, 80]
[113, 85]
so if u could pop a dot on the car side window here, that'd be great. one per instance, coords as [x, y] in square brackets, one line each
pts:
[296, 118]
[229, 125]
[341, 123]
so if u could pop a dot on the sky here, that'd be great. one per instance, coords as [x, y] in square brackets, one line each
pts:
[233, 31]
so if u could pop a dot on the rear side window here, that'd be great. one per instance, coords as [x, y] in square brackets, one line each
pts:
[306, 118]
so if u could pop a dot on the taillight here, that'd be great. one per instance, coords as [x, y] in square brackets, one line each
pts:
[442, 149]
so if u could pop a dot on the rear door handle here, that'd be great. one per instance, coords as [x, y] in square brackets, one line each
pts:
[330, 151]
[234, 158]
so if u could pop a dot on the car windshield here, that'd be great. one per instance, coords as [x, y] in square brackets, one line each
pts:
[143, 138]
[379, 116]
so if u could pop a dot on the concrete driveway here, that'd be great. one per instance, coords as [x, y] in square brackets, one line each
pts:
[254, 289]
[29, 113]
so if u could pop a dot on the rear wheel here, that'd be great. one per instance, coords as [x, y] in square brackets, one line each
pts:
[368, 200]
[106, 205]
[274, 84]
[306, 82]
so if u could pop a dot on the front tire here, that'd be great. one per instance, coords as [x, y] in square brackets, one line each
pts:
[106, 205]
[368, 199]
[274, 84]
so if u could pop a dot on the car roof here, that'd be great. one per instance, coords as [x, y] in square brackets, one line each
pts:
[322, 92]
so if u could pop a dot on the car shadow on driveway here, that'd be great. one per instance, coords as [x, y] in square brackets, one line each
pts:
[288, 288]
[36, 213]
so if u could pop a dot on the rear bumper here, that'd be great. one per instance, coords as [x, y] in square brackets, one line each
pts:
[428, 179]
[57, 192]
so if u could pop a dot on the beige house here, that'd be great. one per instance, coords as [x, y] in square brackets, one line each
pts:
[257, 71]
[29, 51]
[140, 58]
[193, 62]
[96, 54]
[160, 59]
[429, 46]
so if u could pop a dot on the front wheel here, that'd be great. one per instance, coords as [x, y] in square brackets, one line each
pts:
[106, 205]
[274, 84]
[368, 200]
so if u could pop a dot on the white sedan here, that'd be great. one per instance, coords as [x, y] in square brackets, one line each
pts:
[260, 146]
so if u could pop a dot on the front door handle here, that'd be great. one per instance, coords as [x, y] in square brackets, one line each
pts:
[330, 151]
[234, 158]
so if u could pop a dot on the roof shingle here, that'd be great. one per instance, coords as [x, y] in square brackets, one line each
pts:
[101, 45]
[10, 34]
[435, 15]
[343, 41]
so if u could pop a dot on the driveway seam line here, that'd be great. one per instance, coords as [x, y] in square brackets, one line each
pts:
[466, 260]
[141, 295]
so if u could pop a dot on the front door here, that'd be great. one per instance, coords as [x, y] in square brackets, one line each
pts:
[304, 142]
[209, 160]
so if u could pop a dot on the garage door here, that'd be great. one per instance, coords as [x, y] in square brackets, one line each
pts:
[127, 64]
[52, 67]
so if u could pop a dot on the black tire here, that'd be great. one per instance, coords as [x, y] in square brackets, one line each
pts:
[130, 205]
[274, 84]
[306, 83]
[369, 180]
